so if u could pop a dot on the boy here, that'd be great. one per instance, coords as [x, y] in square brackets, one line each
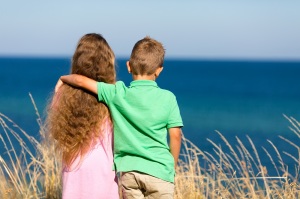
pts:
[142, 114]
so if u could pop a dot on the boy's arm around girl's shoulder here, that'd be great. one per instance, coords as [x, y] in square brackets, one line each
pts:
[78, 81]
[107, 90]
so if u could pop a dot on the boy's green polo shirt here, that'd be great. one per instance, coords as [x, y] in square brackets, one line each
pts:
[141, 114]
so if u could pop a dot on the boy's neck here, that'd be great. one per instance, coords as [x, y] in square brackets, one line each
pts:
[144, 77]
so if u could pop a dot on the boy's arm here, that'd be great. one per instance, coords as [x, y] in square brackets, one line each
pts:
[175, 142]
[79, 81]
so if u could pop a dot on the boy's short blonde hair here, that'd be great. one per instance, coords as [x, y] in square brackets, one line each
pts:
[147, 55]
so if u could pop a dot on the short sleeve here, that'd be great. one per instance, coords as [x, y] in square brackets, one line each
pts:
[106, 92]
[175, 119]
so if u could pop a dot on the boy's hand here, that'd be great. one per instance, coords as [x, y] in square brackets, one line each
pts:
[58, 85]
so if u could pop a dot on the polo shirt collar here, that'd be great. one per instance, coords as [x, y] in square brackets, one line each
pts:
[143, 83]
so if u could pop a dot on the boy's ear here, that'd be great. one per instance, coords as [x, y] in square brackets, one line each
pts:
[158, 71]
[128, 67]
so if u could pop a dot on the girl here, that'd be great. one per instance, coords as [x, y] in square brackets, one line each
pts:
[81, 126]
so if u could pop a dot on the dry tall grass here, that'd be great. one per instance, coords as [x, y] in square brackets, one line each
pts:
[237, 173]
[34, 170]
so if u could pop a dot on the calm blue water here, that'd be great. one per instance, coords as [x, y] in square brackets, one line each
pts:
[237, 98]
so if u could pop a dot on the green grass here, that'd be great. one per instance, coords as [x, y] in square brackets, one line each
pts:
[31, 169]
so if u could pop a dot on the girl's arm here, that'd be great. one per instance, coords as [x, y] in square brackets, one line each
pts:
[78, 81]
[175, 142]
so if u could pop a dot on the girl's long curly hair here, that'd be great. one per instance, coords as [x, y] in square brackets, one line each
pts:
[75, 116]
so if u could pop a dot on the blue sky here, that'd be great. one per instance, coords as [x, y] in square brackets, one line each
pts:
[211, 29]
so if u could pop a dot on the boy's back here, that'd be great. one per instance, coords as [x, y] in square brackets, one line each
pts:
[142, 114]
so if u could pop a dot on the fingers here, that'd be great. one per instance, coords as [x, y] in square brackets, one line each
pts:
[58, 85]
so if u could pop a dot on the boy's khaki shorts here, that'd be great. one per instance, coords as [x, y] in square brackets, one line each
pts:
[139, 185]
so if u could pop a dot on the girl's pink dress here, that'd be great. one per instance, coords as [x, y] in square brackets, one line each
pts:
[93, 178]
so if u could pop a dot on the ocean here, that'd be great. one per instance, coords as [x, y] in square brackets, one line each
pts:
[237, 98]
